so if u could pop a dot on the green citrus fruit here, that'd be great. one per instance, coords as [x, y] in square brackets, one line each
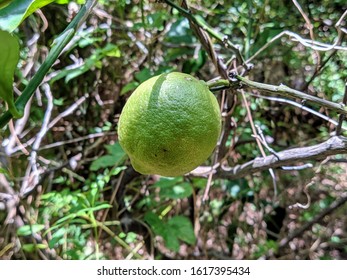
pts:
[169, 125]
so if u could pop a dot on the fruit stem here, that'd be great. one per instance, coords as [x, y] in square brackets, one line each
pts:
[216, 85]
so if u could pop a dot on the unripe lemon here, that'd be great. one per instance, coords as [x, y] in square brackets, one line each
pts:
[169, 125]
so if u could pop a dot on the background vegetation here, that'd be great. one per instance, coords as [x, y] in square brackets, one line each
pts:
[68, 191]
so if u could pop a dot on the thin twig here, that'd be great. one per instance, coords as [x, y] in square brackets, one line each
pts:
[75, 140]
[113, 196]
[333, 206]
[318, 70]
[315, 45]
[310, 28]
[32, 170]
[255, 133]
[313, 181]
[18, 128]
[15, 137]
[68, 111]
[263, 141]
[341, 33]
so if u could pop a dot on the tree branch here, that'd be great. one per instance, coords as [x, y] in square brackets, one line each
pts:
[293, 93]
[333, 146]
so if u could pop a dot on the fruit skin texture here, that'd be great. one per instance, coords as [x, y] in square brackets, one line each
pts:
[169, 125]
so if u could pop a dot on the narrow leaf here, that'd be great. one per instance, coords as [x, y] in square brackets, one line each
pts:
[9, 56]
[32, 247]
[4, 3]
[18, 10]
[29, 229]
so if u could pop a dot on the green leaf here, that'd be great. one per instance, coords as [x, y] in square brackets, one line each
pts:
[12, 15]
[71, 218]
[115, 157]
[57, 238]
[4, 171]
[177, 228]
[193, 64]
[177, 191]
[94, 61]
[183, 229]
[174, 188]
[143, 75]
[171, 240]
[130, 237]
[29, 229]
[129, 87]
[63, 2]
[33, 247]
[115, 150]
[9, 56]
[109, 50]
[180, 32]
[4, 3]
[157, 20]
[165, 182]
[159, 228]
[155, 222]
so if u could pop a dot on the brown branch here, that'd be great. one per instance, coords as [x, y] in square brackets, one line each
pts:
[333, 146]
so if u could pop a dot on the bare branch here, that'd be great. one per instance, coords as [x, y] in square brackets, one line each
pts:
[293, 93]
[33, 173]
[315, 45]
[333, 146]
